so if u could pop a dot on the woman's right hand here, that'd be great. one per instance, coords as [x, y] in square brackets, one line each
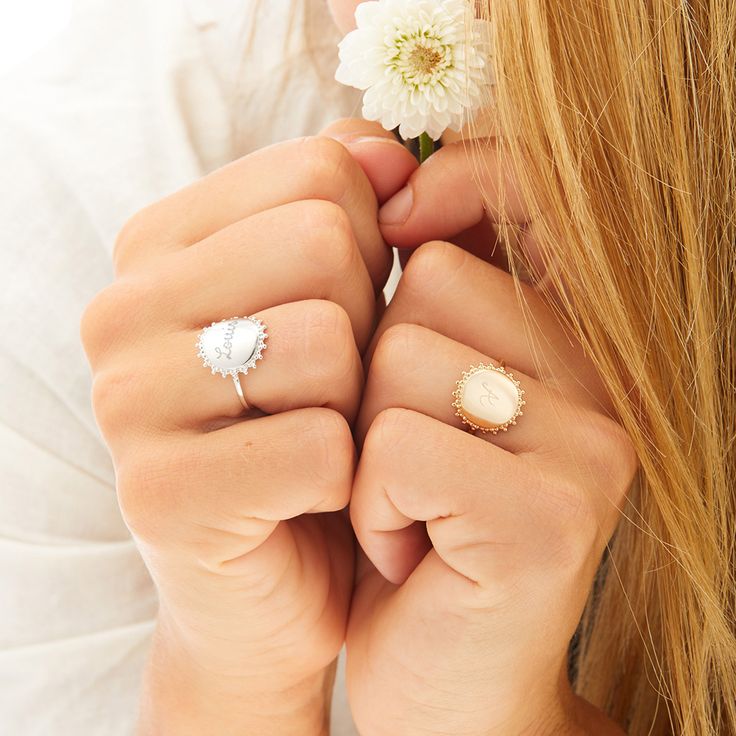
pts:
[254, 580]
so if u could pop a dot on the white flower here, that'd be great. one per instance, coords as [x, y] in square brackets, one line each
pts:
[421, 63]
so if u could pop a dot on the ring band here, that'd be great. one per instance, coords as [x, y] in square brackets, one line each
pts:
[239, 391]
[488, 398]
[232, 347]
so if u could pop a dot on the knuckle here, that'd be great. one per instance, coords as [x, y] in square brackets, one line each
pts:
[113, 392]
[328, 162]
[612, 456]
[134, 233]
[327, 340]
[96, 320]
[394, 345]
[108, 316]
[328, 441]
[387, 432]
[329, 245]
[431, 267]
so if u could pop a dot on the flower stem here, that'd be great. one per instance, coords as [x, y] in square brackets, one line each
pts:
[426, 147]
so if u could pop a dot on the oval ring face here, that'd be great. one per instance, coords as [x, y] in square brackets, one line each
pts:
[488, 398]
[232, 346]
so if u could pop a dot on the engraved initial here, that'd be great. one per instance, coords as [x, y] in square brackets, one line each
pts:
[491, 397]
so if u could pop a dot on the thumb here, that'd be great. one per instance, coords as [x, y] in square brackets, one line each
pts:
[386, 163]
[452, 191]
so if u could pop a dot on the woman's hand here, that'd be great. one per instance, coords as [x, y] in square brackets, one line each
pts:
[235, 518]
[482, 548]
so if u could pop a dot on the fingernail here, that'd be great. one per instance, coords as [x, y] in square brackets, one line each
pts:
[397, 210]
[351, 139]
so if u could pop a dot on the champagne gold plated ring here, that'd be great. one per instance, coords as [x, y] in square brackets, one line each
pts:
[488, 398]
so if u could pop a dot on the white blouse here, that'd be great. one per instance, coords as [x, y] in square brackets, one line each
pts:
[132, 101]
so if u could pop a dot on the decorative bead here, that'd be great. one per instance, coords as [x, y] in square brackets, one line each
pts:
[488, 398]
[232, 346]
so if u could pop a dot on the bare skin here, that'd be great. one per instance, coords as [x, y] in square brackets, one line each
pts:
[477, 551]
[236, 519]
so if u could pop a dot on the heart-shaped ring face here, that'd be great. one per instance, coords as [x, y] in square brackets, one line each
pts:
[232, 346]
[488, 398]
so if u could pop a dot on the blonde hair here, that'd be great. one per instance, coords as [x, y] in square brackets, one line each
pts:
[624, 120]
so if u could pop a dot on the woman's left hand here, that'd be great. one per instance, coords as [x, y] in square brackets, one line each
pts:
[462, 625]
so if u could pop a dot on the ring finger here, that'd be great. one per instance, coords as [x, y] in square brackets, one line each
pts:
[461, 296]
[401, 376]
[302, 250]
[310, 360]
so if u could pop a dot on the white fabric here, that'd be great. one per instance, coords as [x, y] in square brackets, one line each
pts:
[133, 100]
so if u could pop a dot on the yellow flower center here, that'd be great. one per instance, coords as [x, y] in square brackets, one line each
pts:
[420, 59]
[424, 60]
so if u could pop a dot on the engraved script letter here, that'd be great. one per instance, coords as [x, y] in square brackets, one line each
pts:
[491, 397]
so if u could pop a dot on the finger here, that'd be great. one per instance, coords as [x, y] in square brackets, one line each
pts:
[237, 483]
[475, 303]
[297, 251]
[389, 510]
[363, 567]
[305, 168]
[375, 149]
[344, 13]
[481, 184]
[401, 375]
[488, 513]
[310, 360]
[301, 250]
[482, 240]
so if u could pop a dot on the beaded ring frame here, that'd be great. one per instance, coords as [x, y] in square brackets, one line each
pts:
[458, 393]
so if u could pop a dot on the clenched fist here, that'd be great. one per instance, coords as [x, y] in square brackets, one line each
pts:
[235, 515]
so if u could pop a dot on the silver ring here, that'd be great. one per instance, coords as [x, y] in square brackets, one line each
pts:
[239, 391]
[232, 347]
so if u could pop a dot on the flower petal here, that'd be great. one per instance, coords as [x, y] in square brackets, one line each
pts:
[424, 64]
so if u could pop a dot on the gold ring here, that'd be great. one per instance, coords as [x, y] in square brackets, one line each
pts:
[488, 398]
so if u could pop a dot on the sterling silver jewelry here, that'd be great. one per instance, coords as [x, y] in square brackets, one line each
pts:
[232, 347]
[239, 391]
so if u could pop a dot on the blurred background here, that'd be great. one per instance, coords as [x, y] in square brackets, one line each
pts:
[27, 25]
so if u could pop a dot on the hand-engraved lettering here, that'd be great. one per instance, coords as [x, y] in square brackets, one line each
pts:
[227, 349]
[491, 397]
